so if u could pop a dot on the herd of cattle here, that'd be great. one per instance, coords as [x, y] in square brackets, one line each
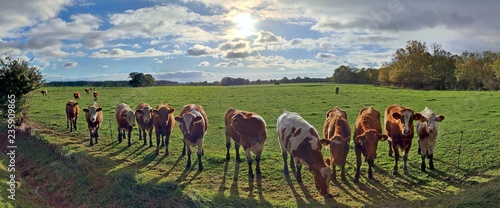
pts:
[297, 137]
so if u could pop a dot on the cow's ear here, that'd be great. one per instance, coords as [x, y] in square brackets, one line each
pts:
[197, 119]
[359, 139]
[396, 116]
[325, 142]
[155, 111]
[138, 111]
[178, 119]
[382, 137]
[77, 104]
[417, 116]
[422, 119]
[123, 115]
[328, 162]
[327, 113]
[171, 110]
[99, 109]
[440, 118]
[85, 110]
[235, 121]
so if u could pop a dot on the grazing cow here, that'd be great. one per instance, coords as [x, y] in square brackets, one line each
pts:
[337, 135]
[336, 89]
[248, 130]
[94, 121]
[44, 92]
[72, 110]
[125, 117]
[399, 129]
[193, 123]
[367, 134]
[76, 95]
[96, 94]
[144, 115]
[87, 90]
[427, 130]
[164, 121]
[300, 139]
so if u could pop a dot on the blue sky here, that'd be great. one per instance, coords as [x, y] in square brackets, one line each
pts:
[205, 40]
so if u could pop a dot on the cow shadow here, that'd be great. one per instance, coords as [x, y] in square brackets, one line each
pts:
[222, 186]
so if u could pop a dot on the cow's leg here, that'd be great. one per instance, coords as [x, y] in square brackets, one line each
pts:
[396, 159]
[96, 134]
[183, 148]
[150, 137]
[129, 134]
[157, 143]
[228, 144]
[334, 173]
[405, 159]
[431, 161]
[188, 164]
[358, 163]
[237, 148]
[199, 153]
[422, 166]
[370, 169]
[390, 148]
[67, 124]
[342, 172]
[419, 151]
[140, 132]
[249, 162]
[74, 123]
[257, 161]
[91, 136]
[167, 140]
[119, 135]
[285, 158]
[299, 168]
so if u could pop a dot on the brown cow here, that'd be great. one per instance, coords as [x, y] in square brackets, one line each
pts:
[300, 139]
[125, 118]
[367, 134]
[193, 123]
[144, 115]
[76, 95]
[248, 130]
[337, 135]
[72, 110]
[94, 120]
[44, 92]
[87, 90]
[164, 121]
[399, 129]
[96, 94]
[336, 89]
[427, 130]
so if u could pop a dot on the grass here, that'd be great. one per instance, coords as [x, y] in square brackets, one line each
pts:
[119, 176]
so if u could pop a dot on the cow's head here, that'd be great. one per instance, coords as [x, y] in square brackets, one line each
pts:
[188, 122]
[405, 119]
[369, 140]
[146, 113]
[92, 111]
[129, 116]
[430, 118]
[336, 111]
[322, 177]
[162, 113]
[337, 146]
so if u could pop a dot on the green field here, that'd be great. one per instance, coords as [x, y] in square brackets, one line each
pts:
[67, 172]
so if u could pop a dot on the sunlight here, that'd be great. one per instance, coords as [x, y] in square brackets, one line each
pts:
[244, 24]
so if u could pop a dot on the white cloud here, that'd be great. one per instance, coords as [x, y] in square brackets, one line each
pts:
[120, 53]
[199, 50]
[203, 63]
[70, 64]
[230, 64]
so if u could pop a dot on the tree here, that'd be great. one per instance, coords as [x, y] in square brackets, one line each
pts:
[141, 79]
[17, 79]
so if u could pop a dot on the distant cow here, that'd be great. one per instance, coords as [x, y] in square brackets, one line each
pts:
[337, 135]
[72, 110]
[76, 95]
[367, 134]
[399, 129]
[193, 123]
[94, 120]
[96, 94]
[44, 92]
[87, 90]
[125, 118]
[164, 121]
[427, 130]
[248, 130]
[336, 89]
[300, 139]
[145, 117]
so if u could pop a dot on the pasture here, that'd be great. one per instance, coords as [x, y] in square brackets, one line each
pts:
[114, 174]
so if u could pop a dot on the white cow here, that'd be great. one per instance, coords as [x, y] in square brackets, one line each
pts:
[427, 129]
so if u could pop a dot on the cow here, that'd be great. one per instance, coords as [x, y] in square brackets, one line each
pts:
[247, 129]
[336, 89]
[144, 115]
[193, 123]
[44, 92]
[72, 110]
[164, 121]
[367, 134]
[94, 120]
[336, 136]
[399, 129]
[96, 94]
[76, 95]
[87, 90]
[427, 130]
[300, 139]
[125, 118]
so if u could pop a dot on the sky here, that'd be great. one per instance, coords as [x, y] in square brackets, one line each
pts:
[206, 40]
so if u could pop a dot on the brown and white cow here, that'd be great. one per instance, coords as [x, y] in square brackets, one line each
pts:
[44, 92]
[248, 130]
[72, 110]
[427, 130]
[399, 129]
[87, 90]
[300, 139]
[76, 95]
[94, 120]
[337, 135]
[193, 123]
[96, 94]
[367, 134]
[145, 116]
[125, 118]
[164, 121]
[336, 89]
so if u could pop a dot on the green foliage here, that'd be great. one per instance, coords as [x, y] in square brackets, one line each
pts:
[348, 75]
[141, 80]
[17, 80]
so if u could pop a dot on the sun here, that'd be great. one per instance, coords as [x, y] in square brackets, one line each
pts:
[245, 24]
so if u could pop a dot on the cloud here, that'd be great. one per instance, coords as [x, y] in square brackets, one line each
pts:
[203, 63]
[241, 54]
[120, 53]
[70, 64]
[233, 45]
[229, 64]
[199, 50]
[325, 55]
[184, 76]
